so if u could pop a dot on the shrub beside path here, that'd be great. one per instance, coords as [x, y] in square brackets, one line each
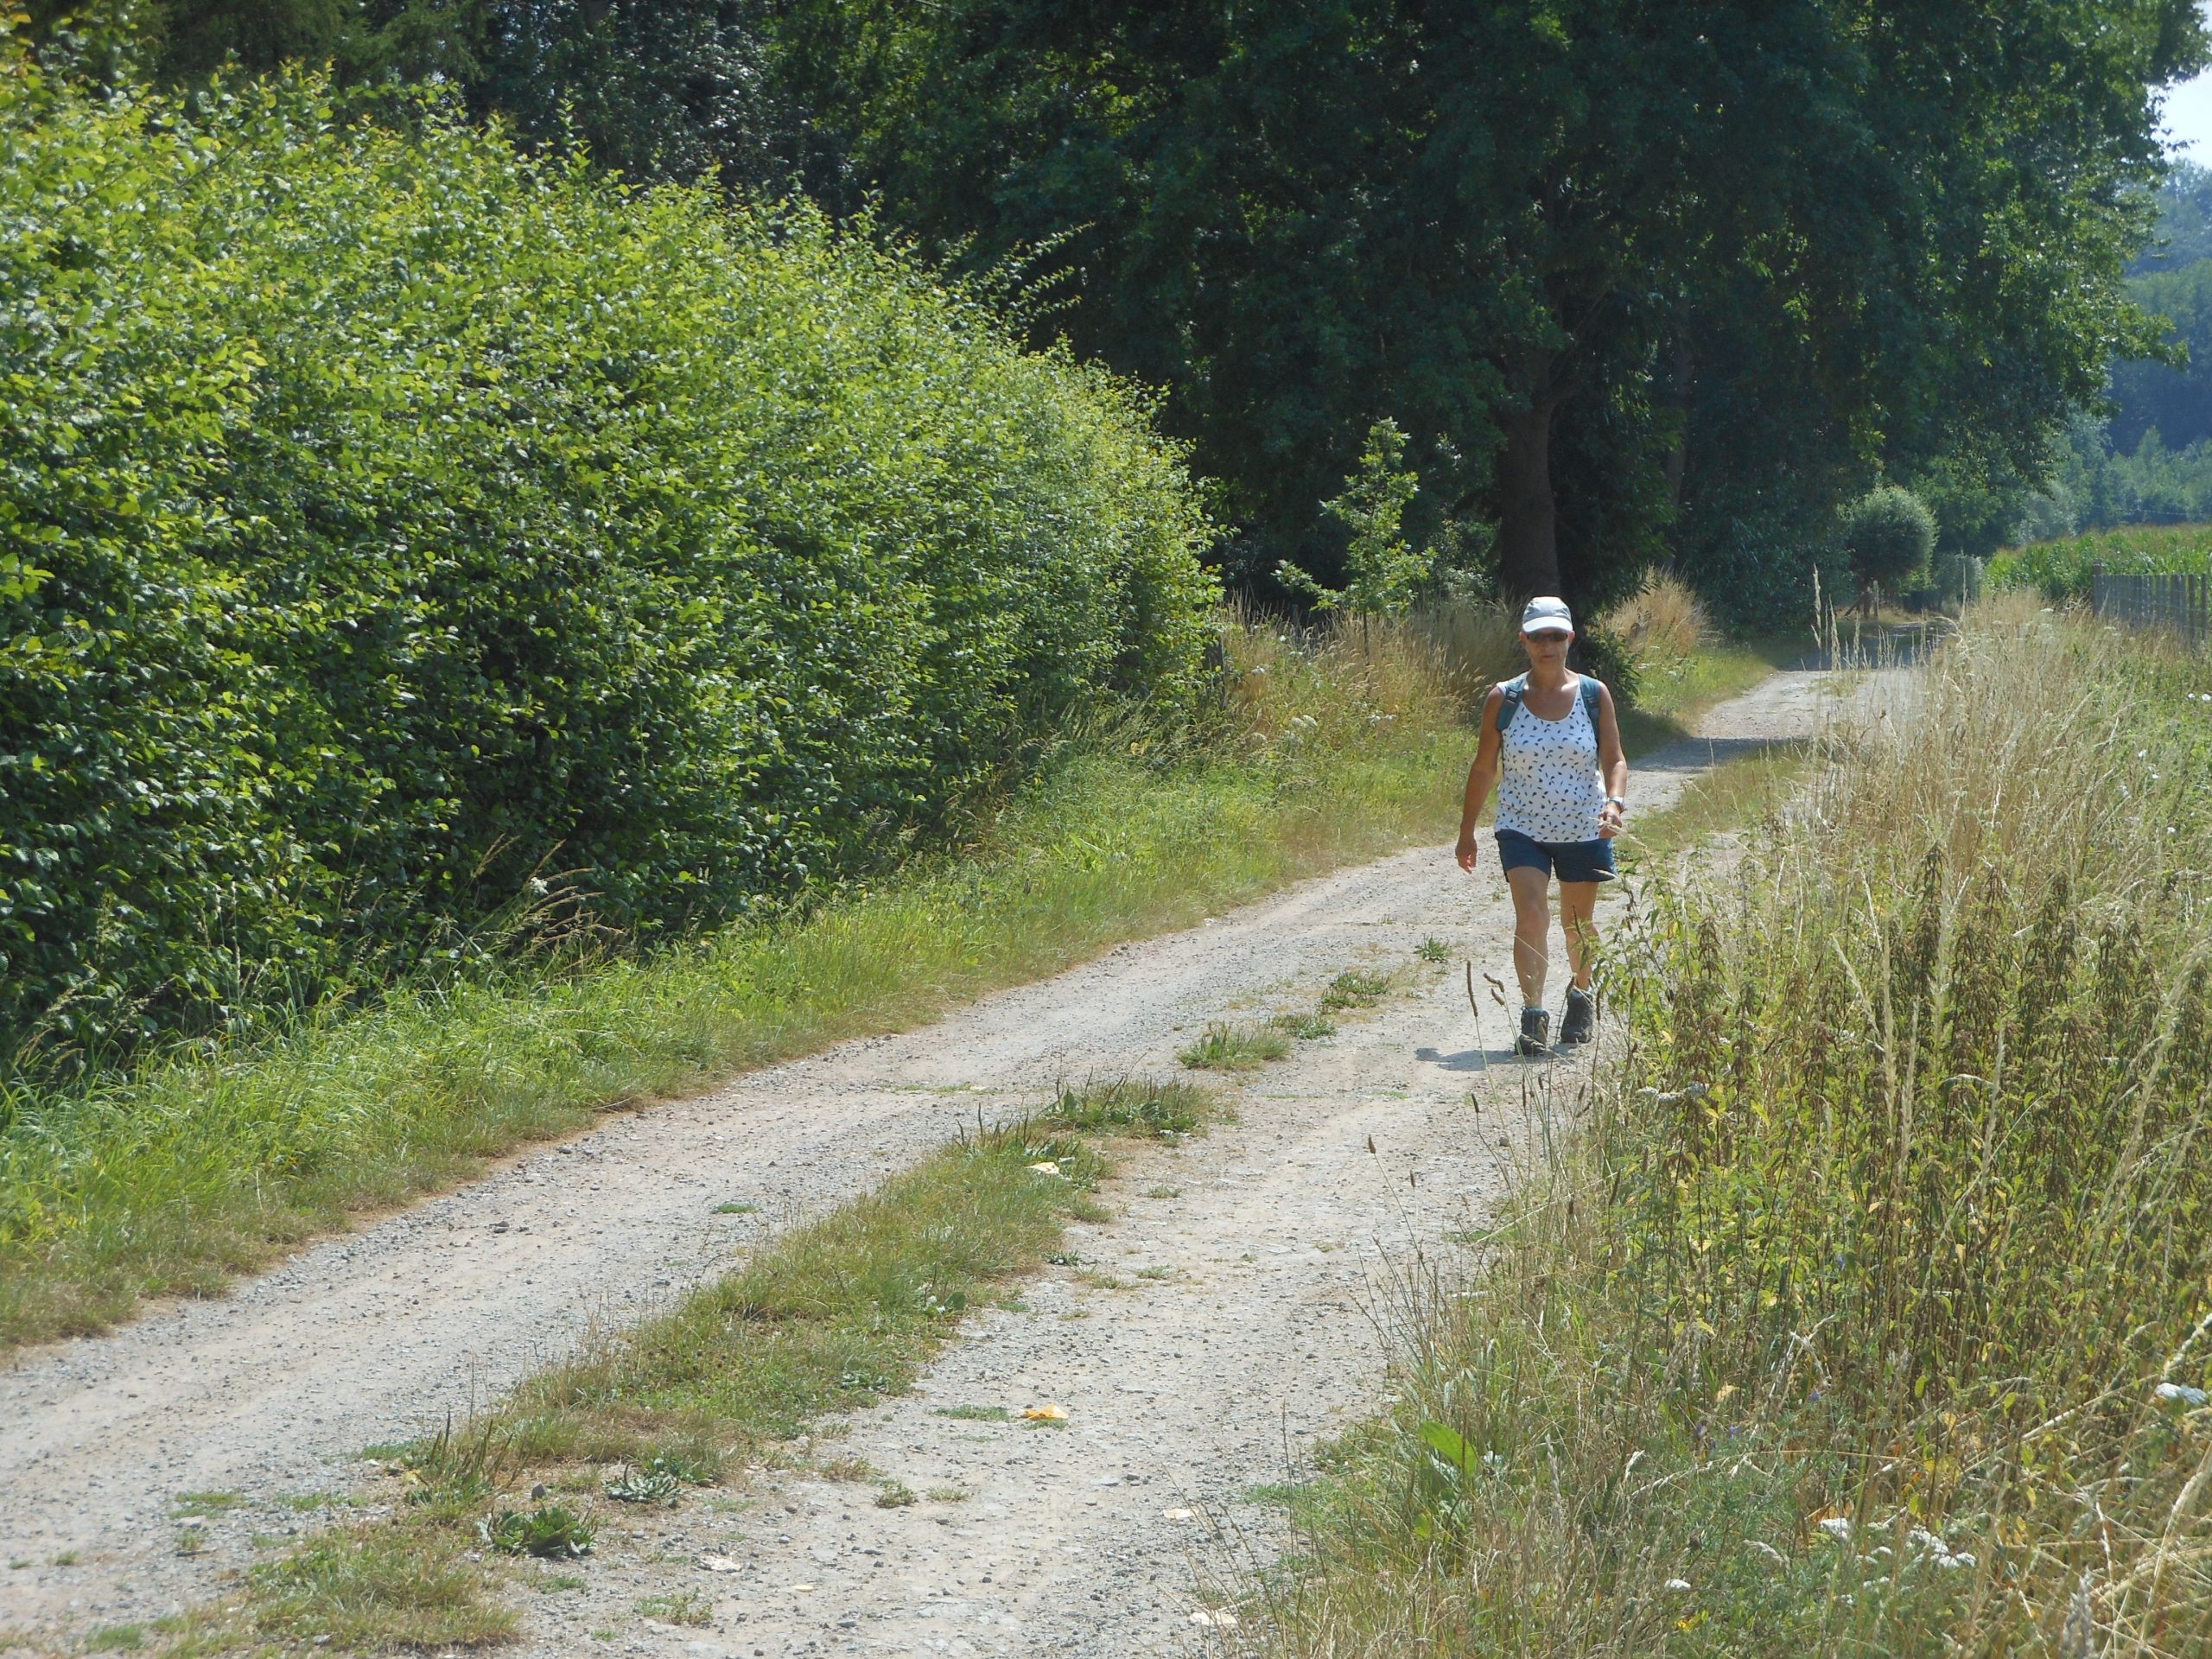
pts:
[1249, 1261]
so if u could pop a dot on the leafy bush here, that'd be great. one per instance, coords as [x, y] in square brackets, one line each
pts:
[394, 529]
[1888, 533]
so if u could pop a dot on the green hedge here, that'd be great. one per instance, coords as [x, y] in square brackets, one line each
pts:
[391, 524]
[2060, 570]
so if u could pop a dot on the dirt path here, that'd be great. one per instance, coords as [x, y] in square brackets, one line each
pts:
[1245, 1338]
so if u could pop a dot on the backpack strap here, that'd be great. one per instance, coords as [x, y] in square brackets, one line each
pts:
[1516, 691]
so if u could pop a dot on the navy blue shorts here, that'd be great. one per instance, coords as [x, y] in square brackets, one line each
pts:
[1570, 861]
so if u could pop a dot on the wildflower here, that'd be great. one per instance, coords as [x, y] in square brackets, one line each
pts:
[1838, 1528]
[2178, 1394]
[1678, 1585]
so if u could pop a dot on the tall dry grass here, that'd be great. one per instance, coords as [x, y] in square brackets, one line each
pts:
[1871, 1308]
[1663, 622]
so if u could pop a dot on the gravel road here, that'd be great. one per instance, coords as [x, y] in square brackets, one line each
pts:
[1251, 1263]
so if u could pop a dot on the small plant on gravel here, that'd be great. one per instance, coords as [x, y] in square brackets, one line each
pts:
[1062, 1259]
[191, 1538]
[551, 1532]
[651, 1485]
[847, 1466]
[1433, 949]
[376, 1588]
[1225, 1048]
[895, 1494]
[684, 1607]
[977, 1414]
[1163, 1191]
[1135, 1106]
[947, 1494]
[116, 1638]
[1354, 989]
[552, 1583]
[1305, 1027]
[735, 1209]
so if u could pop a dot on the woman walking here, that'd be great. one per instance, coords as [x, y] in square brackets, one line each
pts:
[1552, 746]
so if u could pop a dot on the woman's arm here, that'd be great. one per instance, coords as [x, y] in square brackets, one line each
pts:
[1481, 777]
[1612, 762]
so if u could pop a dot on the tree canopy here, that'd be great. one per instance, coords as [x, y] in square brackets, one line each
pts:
[1631, 274]
[1633, 277]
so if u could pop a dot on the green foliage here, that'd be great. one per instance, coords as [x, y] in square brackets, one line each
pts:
[1223, 1046]
[398, 534]
[1152, 1109]
[1384, 575]
[1726, 265]
[1889, 534]
[551, 1530]
[2060, 570]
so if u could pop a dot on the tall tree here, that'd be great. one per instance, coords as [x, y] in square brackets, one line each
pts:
[1580, 250]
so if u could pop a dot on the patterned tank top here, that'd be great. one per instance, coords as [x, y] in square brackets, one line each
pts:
[1548, 787]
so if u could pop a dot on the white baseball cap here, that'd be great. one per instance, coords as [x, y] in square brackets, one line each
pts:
[1545, 614]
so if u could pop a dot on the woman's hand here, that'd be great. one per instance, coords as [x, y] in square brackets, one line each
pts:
[1610, 818]
[1464, 852]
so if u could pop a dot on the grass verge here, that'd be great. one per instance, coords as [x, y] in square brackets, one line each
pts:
[1871, 1311]
[834, 1315]
[176, 1178]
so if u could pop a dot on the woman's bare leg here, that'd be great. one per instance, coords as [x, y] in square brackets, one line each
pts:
[1532, 927]
[1578, 919]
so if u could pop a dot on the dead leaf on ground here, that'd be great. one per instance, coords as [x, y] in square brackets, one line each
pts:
[1047, 1412]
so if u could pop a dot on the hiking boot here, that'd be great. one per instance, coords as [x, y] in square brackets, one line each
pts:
[1581, 1023]
[1536, 1039]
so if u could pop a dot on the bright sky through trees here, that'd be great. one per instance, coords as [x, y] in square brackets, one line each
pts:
[2188, 116]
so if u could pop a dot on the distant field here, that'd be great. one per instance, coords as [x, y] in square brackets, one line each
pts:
[2060, 570]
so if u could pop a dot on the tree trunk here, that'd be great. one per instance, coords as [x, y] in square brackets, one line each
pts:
[1528, 538]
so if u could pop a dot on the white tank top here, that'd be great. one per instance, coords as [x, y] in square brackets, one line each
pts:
[1548, 783]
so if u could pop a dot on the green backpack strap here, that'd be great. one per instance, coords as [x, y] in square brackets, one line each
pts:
[1516, 690]
[1516, 693]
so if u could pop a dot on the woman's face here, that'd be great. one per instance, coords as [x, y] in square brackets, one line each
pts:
[1546, 649]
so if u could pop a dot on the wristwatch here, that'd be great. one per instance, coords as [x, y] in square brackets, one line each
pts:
[1617, 800]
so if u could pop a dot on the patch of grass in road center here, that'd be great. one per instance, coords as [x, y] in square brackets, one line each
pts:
[1223, 1046]
[1142, 1107]
[1354, 988]
[831, 1316]
[835, 1314]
